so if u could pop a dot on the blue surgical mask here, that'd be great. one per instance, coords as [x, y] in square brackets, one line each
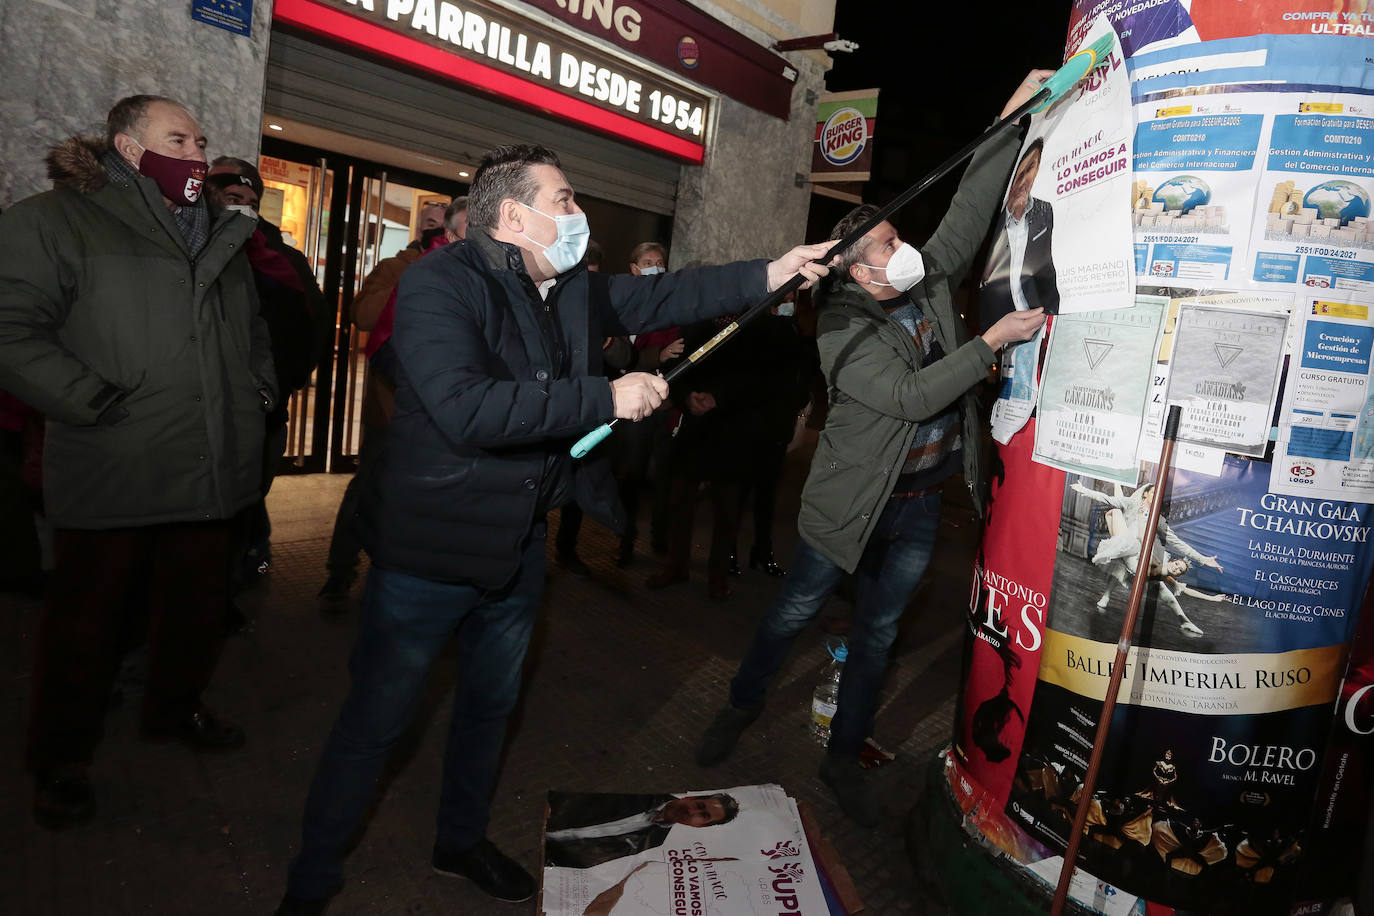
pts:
[570, 245]
[650, 271]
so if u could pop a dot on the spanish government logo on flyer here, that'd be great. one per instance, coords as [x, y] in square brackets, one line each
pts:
[844, 136]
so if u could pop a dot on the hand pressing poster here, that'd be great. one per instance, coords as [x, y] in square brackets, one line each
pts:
[1063, 242]
[1096, 388]
[1225, 374]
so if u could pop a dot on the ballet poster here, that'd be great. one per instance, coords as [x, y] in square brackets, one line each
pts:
[1222, 720]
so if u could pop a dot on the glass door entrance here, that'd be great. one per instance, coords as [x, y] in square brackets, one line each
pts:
[347, 215]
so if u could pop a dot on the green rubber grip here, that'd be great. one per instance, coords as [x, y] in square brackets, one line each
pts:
[1074, 69]
[590, 441]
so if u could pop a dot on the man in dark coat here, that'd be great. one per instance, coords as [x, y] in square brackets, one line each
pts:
[1020, 274]
[128, 317]
[498, 372]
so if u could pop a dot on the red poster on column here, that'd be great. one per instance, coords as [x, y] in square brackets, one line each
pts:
[1007, 614]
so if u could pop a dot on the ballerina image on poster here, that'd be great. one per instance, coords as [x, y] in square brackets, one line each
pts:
[1119, 553]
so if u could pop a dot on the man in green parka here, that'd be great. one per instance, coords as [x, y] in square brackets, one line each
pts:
[128, 316]
[903, 420]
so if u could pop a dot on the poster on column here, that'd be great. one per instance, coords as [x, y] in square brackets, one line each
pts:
[1193, 197]
[1019, 372]
[1326, 427]
[1223, 715]
[1224, 373]
[1315, 226]
[1063, 239]
[1096, 388]
[1006, 616]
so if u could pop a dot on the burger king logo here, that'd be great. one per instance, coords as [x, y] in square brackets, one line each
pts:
[844, 136]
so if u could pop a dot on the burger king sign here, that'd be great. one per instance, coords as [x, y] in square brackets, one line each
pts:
[844, 136]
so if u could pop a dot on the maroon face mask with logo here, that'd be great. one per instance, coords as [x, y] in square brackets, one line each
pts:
[179, 180]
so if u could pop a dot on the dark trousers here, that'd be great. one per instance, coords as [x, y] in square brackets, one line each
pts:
[892, 564]
[344, 546]
[725, 495]
[181, 573]
[406, 621]
[20, 553]
[762, 484]
[569, 524]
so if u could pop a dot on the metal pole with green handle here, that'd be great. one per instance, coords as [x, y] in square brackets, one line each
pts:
[1063, 79]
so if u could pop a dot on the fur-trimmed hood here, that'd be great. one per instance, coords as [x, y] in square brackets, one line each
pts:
[76, 164]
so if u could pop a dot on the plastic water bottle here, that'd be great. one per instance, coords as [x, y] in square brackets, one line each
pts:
[827, 694]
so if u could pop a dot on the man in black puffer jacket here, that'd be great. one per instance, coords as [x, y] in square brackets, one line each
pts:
[498, 354]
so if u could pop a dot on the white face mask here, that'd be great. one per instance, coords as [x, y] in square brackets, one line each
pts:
[244, 209]
[571, 242]
[787, 309]
[650, 271]
[904, 269]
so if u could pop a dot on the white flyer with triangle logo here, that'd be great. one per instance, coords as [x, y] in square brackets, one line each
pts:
[1225, 375]
[1095, 389]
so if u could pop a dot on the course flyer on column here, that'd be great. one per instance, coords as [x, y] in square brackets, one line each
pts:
[1316, 187]
[1193, 197]
[1224, 373]
[1326, 427]
[1062, 240]
[1095, 390]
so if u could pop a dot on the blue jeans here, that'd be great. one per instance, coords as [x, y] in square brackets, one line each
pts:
[406, 622]
[889, 570]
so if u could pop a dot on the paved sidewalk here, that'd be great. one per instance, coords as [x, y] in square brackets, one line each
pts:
[619, 685]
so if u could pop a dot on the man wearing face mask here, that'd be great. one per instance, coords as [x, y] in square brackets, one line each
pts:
[294, 308]
[903, 419]
[498, 372]
[128, 317]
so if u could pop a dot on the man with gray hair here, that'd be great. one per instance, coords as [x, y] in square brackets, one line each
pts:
[128, 317]
[497, 345]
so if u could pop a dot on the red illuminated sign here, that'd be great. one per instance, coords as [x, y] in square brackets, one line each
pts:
[492, 50]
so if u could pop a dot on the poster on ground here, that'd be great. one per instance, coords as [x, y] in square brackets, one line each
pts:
[1095, 390]
[726, 852]
[1223, 716]
[1063, 240]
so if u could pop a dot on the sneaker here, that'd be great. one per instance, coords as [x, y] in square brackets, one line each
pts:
[723, 733]
[853, 789]
[63, 798]
[494, 872]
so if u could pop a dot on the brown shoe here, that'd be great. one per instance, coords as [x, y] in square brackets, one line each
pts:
[668, 575]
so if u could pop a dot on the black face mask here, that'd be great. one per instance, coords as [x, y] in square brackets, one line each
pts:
[428, 236]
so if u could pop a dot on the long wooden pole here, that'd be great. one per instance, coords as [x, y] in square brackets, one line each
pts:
[1123, 648]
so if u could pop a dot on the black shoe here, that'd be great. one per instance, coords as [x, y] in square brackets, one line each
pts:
[63, 798]
[765, 559]
[497, 874]
[573, 564]
[300, 906]
[200, 731]
[335, 589]
[723, 733]
[853, 788]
